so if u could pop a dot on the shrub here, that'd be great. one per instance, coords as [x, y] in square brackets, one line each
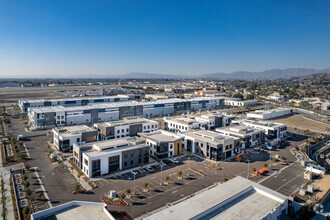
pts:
[77, 187]
[26, 210]
[128, 191]
[179, 173]
[167, 178]
[25, 178]
[122, 195]
[27, 184]
[225, 179]
[27, 166]
[145, 185]
[28, 192]
[265, 165]
[254, 169]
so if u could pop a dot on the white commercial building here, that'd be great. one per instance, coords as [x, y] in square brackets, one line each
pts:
[274, 132]
[48, 117]
[64, 138]
[206, 121]
[69, 102]
[104, 157]
[240, 103]
[249, 137]
[238, 198]
[128, 126]
[210, 144]
[269, 114]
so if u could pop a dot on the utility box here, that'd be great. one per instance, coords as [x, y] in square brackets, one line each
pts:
[310, 188]
[308, 175]
[112, 194]
[302, 192]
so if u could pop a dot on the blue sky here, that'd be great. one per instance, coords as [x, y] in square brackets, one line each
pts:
[77, 37]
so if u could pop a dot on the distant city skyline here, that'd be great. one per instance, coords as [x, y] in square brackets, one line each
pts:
[72, 38]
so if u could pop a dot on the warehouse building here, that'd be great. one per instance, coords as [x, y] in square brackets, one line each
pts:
[82, 101]
[238, 198]
[64, 138]
[269, 114]
[105, 157]
[128, 126]
[163, 144]
[210, 144]
[48, 117]
[249, 137]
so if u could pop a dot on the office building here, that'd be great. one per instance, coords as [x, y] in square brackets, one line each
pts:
[269, 114]
[128, 126]
[48, 117]
[210, 144]
[163, 144]
[240, 103]
[69, 102]
[274, 132]
[64, 138]
[206, 121]
[105, 157]
[249, 137]
[238, 198]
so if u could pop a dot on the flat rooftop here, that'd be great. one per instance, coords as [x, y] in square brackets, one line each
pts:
[261, 122]
[161, 136]
[238, 198]
[238, 129]
[268, 111]
[73, 130]
[207, 135]
[74, 210]
[113, 146]
[118, 104]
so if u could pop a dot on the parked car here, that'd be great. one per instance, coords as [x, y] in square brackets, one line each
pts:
[173, 160]
[134, 172]
[161, 163]
[149, 169]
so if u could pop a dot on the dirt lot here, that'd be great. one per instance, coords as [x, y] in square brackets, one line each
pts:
[303, 123]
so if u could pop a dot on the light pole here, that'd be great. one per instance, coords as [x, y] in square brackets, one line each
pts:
[248, 168]
[270, 158]
[188, 168]
[161, 174]
[134, 185]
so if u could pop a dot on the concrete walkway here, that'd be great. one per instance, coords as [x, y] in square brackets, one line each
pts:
[9, 202]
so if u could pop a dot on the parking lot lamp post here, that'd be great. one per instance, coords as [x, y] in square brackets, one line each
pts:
[188, 168]
[248, 169]
[134, 185]
[161, 174]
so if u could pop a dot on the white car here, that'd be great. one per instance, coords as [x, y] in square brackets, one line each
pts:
[134, 172]
[173, 160]
[162, 164]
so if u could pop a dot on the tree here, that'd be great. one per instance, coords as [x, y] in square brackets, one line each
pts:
[225, 179]
[28, 192]
[23, 171]
[167, 178]
[179, 173]
[71, 168]
[77, 187]
[25, 178]
[254, 169]
[265, 165]
[27, 166]
[40, 194]
[128, 191]
[26, 210]
[78, 175]
[145, 185]
[238, 95]
[27, 184]
[122, 195]
[250, 97]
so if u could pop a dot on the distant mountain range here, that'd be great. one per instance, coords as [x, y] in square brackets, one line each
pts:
[267, 74]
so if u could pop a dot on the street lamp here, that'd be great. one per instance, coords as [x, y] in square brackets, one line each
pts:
[161, 174]
[188, 168]
[248, 168]
[134, 185]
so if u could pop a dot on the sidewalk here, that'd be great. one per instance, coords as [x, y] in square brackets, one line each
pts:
[9, 202]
